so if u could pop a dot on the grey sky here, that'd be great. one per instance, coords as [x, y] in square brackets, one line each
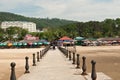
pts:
[79, 10]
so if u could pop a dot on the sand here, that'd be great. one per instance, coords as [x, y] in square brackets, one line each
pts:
[107, 58]
[14, 55]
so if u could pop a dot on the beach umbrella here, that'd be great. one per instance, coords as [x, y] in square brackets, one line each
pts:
[1, 44]
[46, 43]
[9, 44]
[4, 44]
[35, 43]
[39, 43]
[24, 43]
[43, 40]
[14, 43]
[79, 38]
[19, 44]
[65, 38]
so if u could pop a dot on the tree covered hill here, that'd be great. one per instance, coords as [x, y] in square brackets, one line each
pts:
[40, 22]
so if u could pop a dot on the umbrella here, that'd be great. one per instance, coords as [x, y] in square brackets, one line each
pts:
[15, 44]
[46, 43]
[39, 43]
[9, 44]
[79, 38]
[43, 40]
[35, 43]
[19, 44]
[1, 44]
[4, 44]
[65, 38]
[24, 43]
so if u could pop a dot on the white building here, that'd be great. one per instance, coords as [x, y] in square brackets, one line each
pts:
[30, 26]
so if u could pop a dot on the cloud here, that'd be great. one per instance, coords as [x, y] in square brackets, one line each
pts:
[101, 1]
[11, 4]
[26, 9]
[88, 10]
[80, 10]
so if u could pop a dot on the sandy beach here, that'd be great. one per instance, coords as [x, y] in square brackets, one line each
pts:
[14, 55]
[107, 59]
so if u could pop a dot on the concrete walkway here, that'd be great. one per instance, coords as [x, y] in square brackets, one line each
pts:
[54, 66]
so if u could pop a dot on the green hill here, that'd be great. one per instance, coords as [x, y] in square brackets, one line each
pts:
[40, 22]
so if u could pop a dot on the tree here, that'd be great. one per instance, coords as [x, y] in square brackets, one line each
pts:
[1, 34]
[15, 33]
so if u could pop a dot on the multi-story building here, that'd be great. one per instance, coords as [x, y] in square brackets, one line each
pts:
[30, 26]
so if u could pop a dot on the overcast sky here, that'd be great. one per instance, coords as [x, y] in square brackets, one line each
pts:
[78, 10]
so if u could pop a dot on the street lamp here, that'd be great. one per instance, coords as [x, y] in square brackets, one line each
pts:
[116, 25]
[116, 28]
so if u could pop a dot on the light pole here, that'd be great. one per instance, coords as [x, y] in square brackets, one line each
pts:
[116, 29]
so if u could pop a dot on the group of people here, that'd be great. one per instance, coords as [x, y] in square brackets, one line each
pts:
[53, 44]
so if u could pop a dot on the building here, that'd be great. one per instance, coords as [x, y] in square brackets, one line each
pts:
[30, 26]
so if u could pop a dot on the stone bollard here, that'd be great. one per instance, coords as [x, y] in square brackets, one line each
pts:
[66, 53]
[73, 58]
[34, 61]
[38, 57]
[78, 61]
[42, 53]
[84, 66]
[93, 73]
[70, 55]
[27, 65]
[12, 76]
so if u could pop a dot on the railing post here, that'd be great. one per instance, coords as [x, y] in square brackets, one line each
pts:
[27, 65]
[70, 55]
[78, 61]
[93, 73]
[42, 53]
[34, 61]
[66, 53]
[13, 76]
[38, 57]
[84, 66]
[73, 58]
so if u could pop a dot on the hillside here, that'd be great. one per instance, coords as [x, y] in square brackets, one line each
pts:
[40, 22]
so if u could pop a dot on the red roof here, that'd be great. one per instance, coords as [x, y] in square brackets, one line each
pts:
[65, 38]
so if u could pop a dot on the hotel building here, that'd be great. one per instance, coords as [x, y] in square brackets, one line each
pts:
[30, 26]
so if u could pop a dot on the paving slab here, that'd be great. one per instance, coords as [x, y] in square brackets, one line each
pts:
[55, 66]
[100, 76]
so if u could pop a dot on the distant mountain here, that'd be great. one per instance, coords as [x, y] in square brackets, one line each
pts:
[40, 22]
